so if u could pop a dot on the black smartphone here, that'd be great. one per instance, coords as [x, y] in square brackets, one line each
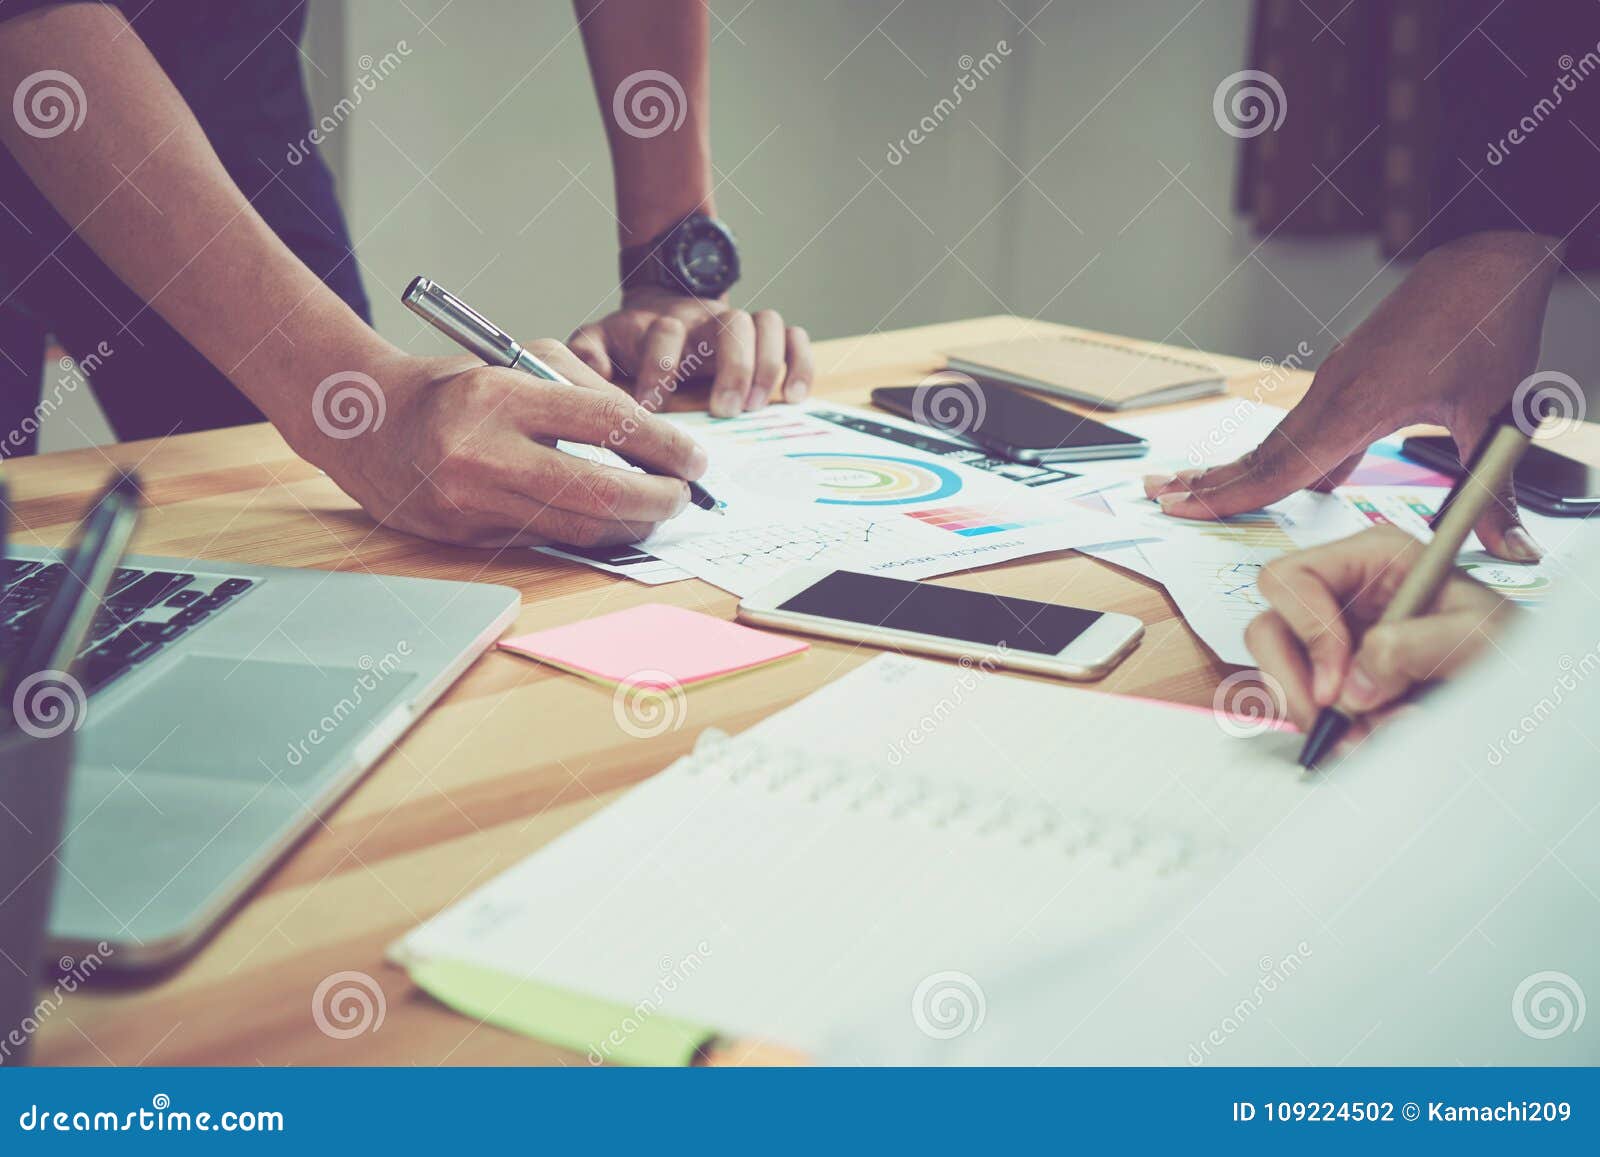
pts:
[1045, 638]
[1008, 423]
[1548, 482]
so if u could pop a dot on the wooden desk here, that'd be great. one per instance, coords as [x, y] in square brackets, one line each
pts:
[515, 754]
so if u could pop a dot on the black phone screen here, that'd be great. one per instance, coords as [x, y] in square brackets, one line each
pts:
[1005, 417]
[943, 612]
[1540, 470]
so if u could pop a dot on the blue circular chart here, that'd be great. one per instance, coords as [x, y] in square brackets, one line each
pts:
[878, 479]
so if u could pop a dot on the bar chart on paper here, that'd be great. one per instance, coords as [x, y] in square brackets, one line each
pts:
[1258, 530]
[1262, 534]
[1412, 509]
[801, 491]
[774, 426]
[972, 521]
[1211, 568]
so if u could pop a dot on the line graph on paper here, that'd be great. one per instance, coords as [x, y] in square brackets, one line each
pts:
[759, 551]
[785, 544]
[1234, 587]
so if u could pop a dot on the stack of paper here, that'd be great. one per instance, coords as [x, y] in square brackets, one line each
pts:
[828, 485]
[1210, 568]
[799, 489]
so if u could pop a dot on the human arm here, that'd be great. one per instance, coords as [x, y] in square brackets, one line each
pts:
[1448, 346]
[451, 450]
[650, 63]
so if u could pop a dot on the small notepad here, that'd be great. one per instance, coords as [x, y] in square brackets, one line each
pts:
[654, 646]
[1106, 375]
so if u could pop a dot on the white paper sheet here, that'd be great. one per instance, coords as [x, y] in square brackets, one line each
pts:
[798, 490]
[908, 819]
[1210, 568]
[1201, 435]
[1411, 507]
[1397, 920]
[638, 565]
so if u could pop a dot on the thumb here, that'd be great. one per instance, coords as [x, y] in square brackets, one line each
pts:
[1393, 657]
[1500, 527]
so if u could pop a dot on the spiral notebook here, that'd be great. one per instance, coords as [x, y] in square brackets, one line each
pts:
[912, 820]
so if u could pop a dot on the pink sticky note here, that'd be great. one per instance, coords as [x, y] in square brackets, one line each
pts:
[654, 646]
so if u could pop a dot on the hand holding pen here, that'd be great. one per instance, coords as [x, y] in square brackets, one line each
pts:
[459, 451]
[478, 335]
[1356, 623]
[1323, 644]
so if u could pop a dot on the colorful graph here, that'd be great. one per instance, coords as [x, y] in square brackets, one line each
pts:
[750, 429]
[1523, 584]
[1234, 587]
[1384, 465]
[1411, 512]
[971, 521]
[1259, 530]
[878, 479]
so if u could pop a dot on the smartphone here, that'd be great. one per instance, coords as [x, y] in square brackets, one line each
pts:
[1045, 638]
[1012, 424]
[1548, 482]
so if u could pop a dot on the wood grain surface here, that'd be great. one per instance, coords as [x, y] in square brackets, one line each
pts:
[515, 753]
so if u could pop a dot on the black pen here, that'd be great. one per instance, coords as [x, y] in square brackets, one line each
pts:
[475, 333]
[64, 621]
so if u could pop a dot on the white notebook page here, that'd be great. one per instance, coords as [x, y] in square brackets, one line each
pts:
[909, 819]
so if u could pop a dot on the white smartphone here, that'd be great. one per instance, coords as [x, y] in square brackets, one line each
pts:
[1045, 638]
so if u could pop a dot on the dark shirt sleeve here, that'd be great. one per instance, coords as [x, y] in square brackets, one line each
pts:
[1520, 97]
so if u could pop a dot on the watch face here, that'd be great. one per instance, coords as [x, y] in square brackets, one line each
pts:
[703, 258]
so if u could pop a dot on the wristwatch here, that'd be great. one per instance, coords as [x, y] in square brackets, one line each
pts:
[697, 256]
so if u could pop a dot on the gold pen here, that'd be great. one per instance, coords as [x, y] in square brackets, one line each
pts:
[1491, 466]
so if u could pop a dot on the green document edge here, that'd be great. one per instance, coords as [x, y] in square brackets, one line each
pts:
[601, 1029]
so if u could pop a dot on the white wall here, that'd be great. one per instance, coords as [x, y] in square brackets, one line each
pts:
[1111, 102]
[480, 161]
[516, 206]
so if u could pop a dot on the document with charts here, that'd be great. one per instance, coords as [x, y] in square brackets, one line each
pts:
[798, 490]
[1210, 568]
[1411, 508]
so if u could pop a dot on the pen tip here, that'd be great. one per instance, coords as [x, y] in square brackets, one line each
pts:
[1324, 736]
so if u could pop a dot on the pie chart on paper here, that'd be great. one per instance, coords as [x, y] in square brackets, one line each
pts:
[877, 479]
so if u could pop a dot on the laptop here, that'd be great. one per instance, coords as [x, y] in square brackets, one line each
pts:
[221, 709]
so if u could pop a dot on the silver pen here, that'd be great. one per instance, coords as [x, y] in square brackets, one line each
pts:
[476, 334]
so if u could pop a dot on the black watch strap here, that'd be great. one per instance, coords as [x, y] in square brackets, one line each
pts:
[638, 267]
[658, 262]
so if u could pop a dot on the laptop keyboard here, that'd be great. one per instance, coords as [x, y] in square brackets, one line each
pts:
[143, 612]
